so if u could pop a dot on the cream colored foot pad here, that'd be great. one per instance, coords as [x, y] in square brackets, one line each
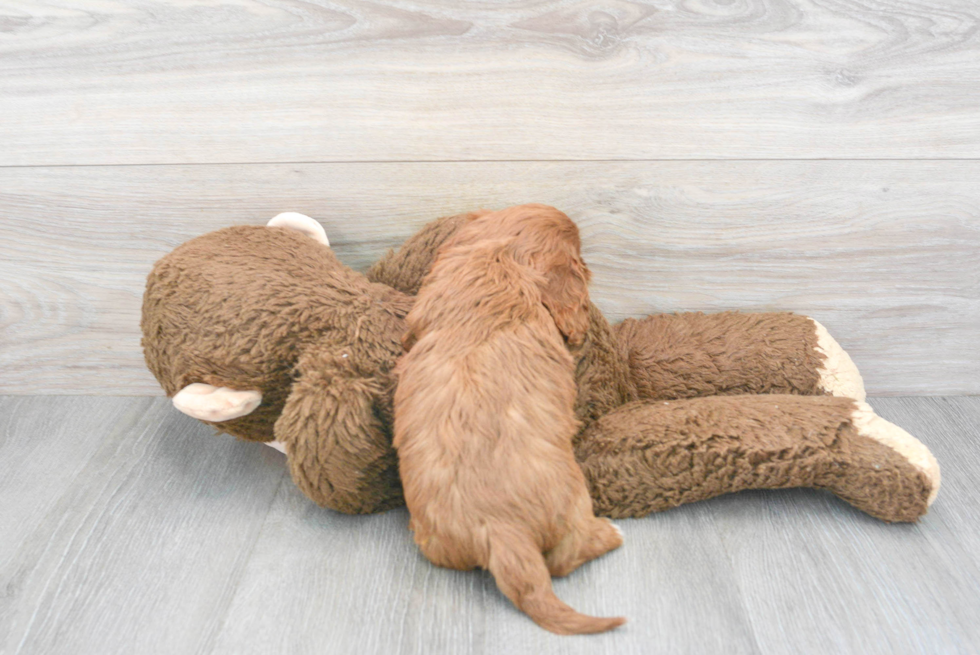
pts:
[871, 425]
[838, 375]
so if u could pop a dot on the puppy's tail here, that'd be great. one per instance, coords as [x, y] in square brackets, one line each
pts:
[521, 574]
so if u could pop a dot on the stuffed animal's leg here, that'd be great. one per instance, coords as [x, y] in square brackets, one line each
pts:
[405, 269]
[693, 354]
[650, 456]
[338, 451]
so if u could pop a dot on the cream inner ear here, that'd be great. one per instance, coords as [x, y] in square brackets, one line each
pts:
[209, 403]
[301, 223]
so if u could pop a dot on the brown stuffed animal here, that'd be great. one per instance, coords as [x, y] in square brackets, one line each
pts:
[263, 333]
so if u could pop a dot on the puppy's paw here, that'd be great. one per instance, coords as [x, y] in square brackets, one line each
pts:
[614, 536]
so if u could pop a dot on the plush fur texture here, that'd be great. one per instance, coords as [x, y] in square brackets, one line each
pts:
[695, 355]
[683, 451]
[484, 411]
[272, 310]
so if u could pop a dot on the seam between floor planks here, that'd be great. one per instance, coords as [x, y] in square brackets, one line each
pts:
[793, 570]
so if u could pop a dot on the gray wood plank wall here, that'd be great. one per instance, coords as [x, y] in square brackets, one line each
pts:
[343, 80]
[778, 155]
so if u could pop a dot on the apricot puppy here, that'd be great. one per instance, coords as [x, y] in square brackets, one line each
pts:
[484, 413]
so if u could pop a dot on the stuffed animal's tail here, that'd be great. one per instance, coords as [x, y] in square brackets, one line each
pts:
[521, 574]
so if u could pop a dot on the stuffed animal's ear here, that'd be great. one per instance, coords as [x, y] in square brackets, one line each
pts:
[302, 224]
[566, 295]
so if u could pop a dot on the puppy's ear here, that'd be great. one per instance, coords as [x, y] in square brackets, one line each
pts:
[409, 339]
[416, 321]
[566, 295]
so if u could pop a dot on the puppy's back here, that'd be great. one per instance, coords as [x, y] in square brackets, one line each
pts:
[493, 415]
[484, 415]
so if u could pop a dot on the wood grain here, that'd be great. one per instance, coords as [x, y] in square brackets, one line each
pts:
[427, 80]
[804, 578]
[145, 533]
[124, 529]
[670, 580]
[886, 254]
[758, 572]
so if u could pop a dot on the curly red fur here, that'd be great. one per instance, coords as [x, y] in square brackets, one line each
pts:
[485, 411]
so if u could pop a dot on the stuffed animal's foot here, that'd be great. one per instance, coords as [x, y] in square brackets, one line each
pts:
[871, 425]
[209, 403]
[278, 445]
[838, 374]
[300, 223]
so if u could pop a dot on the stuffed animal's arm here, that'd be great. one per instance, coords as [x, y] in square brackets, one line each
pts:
[338, 451]
[693, 355]
[650, 456]
[405, 268]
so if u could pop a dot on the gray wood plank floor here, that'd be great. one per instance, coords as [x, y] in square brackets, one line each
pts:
[128, 528]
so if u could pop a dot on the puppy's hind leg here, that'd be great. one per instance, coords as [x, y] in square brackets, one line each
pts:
[591, 538]
[443, 552]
